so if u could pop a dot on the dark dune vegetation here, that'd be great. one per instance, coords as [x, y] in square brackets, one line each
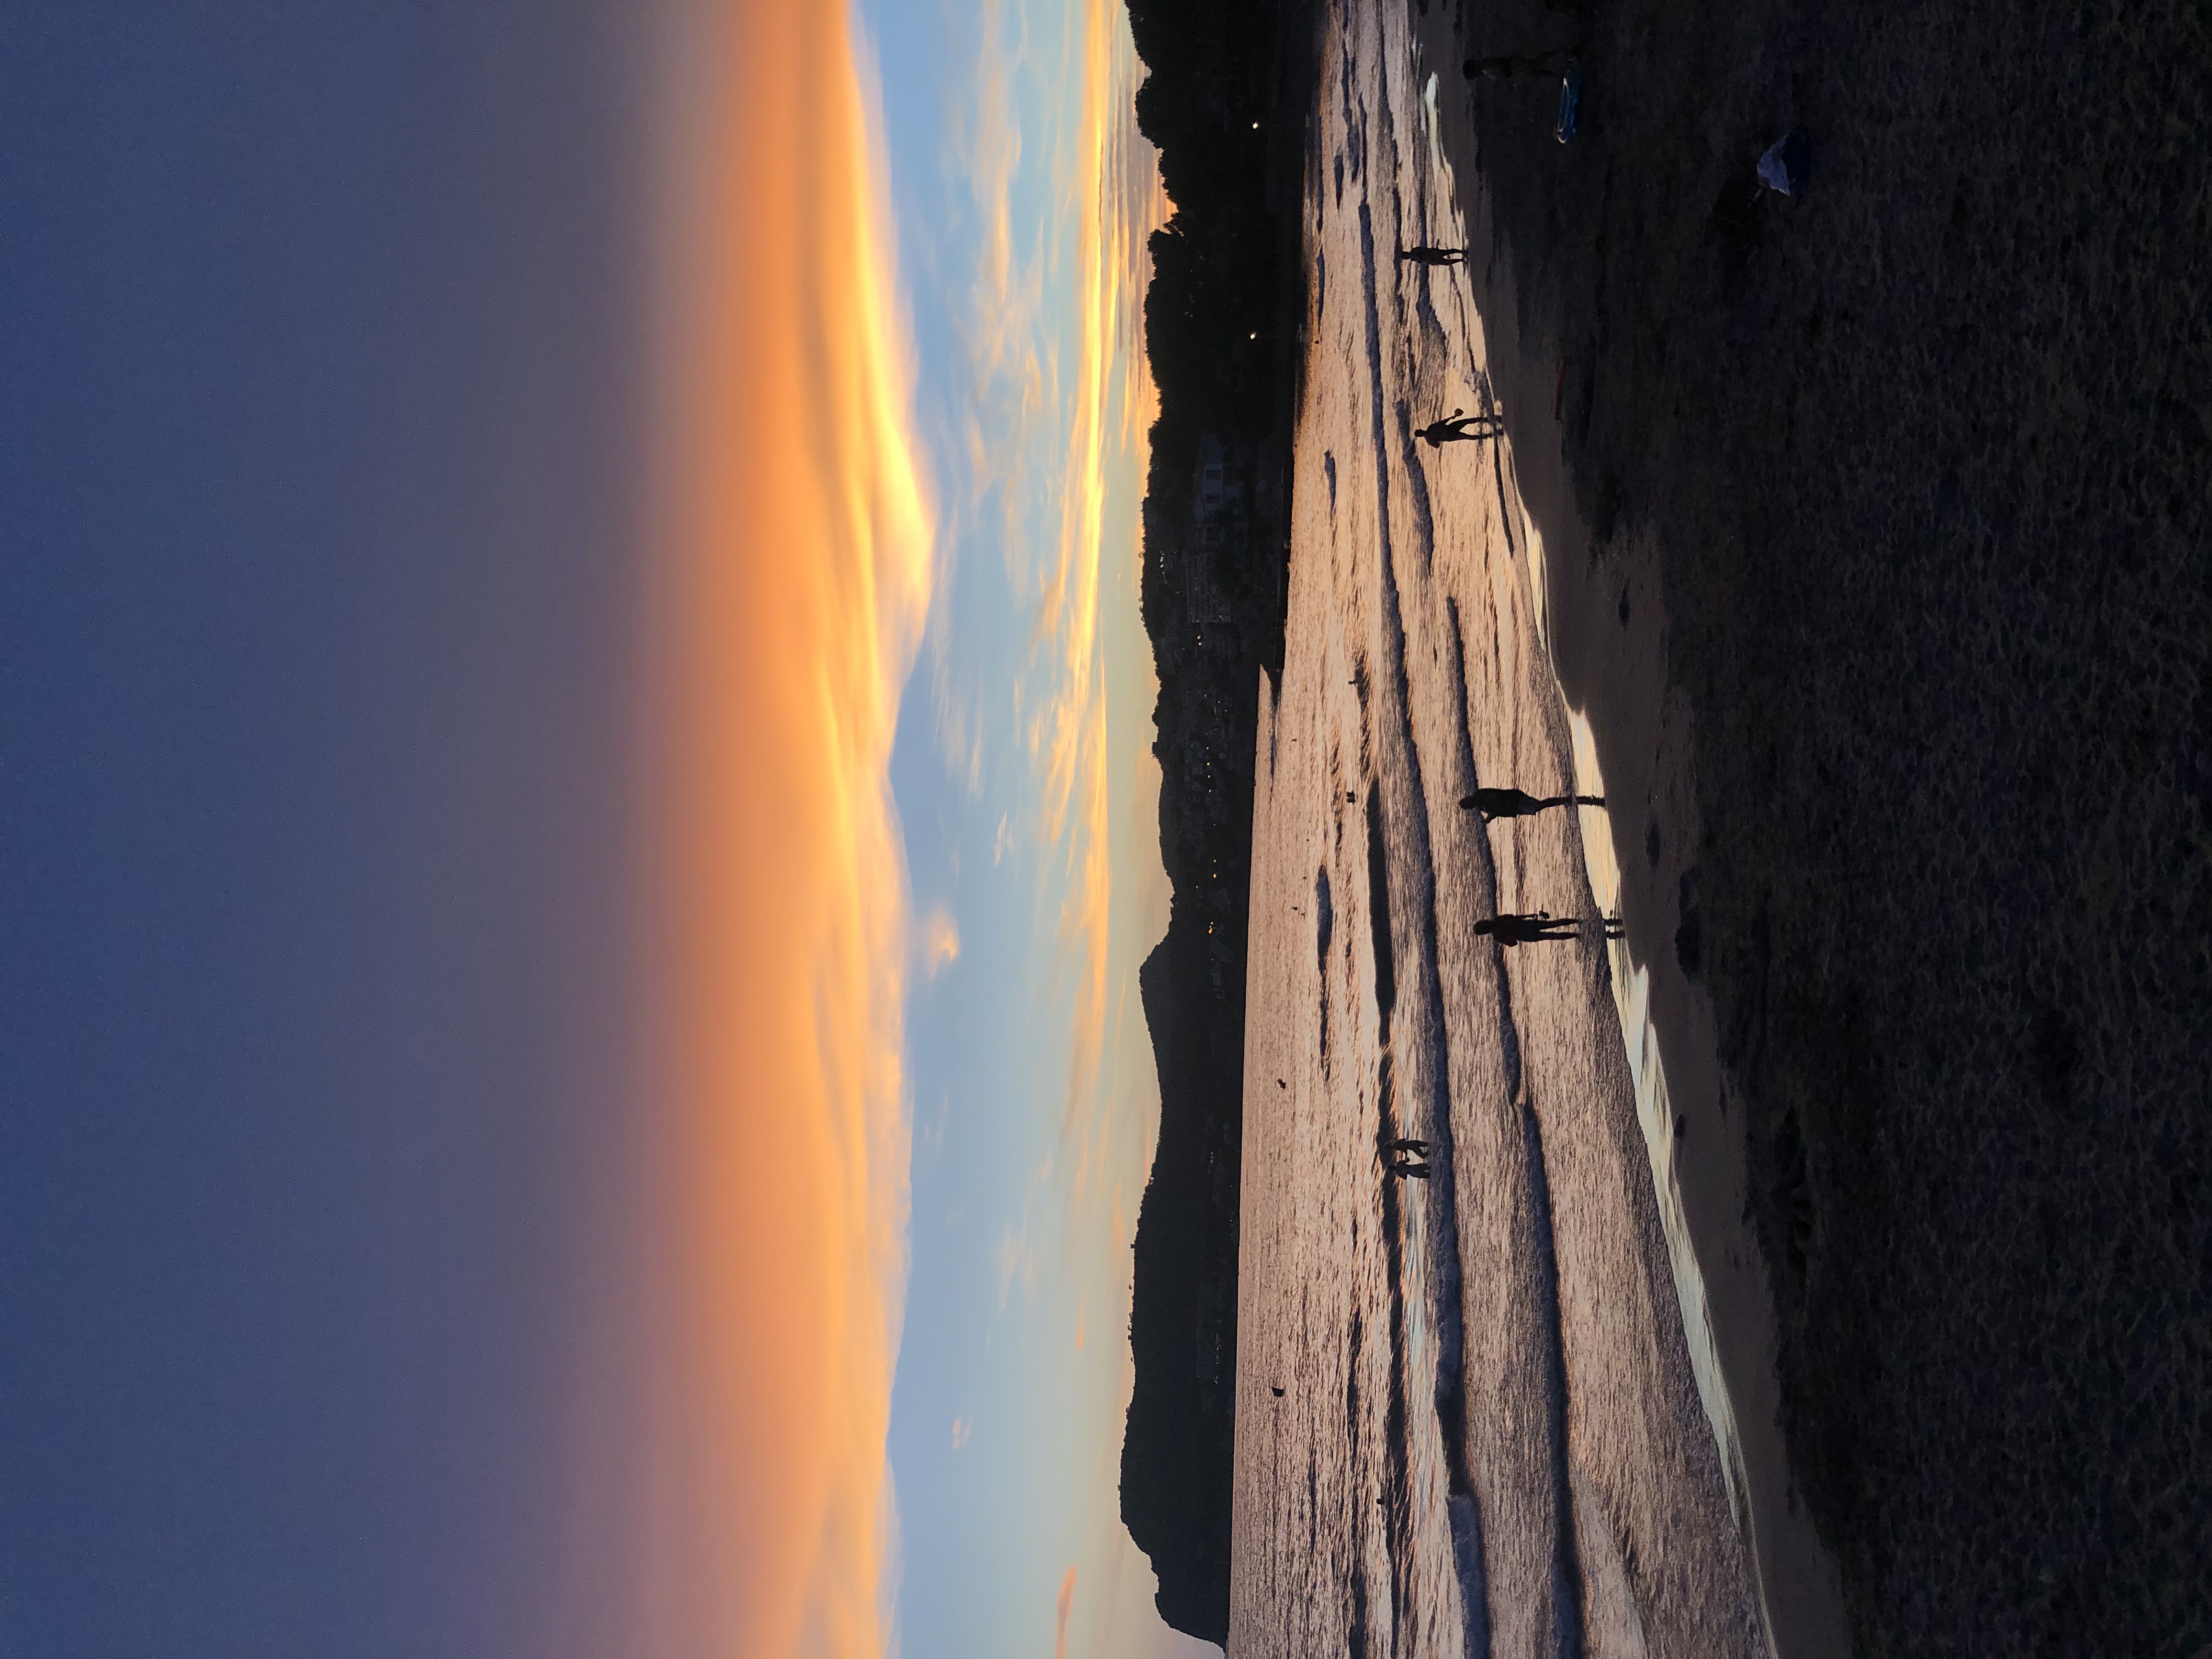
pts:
[1224, 103]
[1927, 457]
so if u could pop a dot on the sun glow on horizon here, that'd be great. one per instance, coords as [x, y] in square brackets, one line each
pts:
[1094, 400]
[796, 568]
[791, 574]
[1065, 193]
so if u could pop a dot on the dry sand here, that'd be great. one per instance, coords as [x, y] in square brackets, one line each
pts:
[1918, 464]
[1607, 634]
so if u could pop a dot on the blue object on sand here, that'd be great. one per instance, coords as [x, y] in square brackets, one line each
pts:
[1571, 100]
[1788, 163]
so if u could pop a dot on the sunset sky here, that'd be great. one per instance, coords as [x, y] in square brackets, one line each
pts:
[580, 830]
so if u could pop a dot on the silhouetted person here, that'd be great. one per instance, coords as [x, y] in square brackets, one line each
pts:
[1541, 928]
[1515, 929]
[1548, 65]
[1459, 427]
[1404, 1167]
[1519, 804]
[1406, 1143]
[1425, 255]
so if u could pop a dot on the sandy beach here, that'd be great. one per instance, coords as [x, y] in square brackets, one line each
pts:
[1607, 633]
[1877, 529]
[1529, 1399]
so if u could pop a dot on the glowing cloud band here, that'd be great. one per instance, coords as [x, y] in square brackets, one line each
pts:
[791, 576]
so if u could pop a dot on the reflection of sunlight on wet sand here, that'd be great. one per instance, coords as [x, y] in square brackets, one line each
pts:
[1632, 995]
[1477, 1396]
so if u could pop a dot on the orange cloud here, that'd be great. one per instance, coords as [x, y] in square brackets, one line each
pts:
[940, 942]
[1057, 442]
[1108, 196]
[791, 573]
[1060, 1620]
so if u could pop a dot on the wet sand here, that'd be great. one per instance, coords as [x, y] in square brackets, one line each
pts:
[1471, 1414]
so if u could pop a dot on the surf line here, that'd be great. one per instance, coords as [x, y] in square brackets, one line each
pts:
[1631, 985]
[1632, 999]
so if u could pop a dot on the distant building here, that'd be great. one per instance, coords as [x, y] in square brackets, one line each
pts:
[1220, 493]
[1220, 529]
[1221, 567]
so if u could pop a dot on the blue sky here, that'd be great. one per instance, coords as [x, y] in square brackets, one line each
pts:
[1008, 134]
[310, 697]
[323, 448]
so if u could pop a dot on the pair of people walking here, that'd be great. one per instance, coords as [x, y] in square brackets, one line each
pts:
[1519, 804]
[1541, 927]
[1407, 1157]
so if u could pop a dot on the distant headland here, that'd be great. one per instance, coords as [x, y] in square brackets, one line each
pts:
[1224, 105]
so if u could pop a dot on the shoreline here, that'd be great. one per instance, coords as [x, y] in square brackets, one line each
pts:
[1607, 634]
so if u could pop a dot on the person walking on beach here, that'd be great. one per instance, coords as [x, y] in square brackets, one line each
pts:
[1549, 66]
[1519, 804]
[1425, 255]
[1540, 928]
[1459, 427]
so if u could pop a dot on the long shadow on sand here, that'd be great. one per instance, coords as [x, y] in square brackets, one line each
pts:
[1567, 1588]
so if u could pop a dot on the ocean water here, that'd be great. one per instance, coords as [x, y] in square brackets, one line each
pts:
[1476, 1414]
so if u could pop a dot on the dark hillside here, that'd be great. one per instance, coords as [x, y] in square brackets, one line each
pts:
[1224, 103]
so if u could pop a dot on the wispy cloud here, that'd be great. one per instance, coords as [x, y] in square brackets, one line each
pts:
[1018, 1261]
[1062, 409]
[963, 1429]
[1110, 191]
[792, 573]
[1064, 1607]
[940, 942]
